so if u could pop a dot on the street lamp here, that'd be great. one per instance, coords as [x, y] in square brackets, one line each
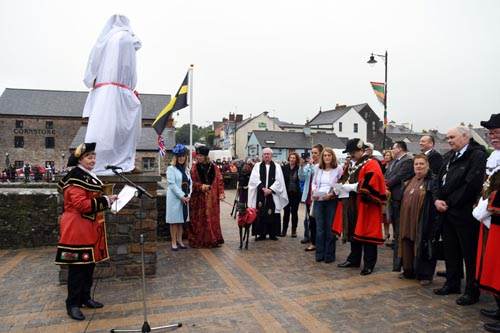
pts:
[372, 62]
[62, 156]
[7, 161]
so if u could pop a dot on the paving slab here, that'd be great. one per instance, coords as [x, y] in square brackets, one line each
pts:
[274, 286]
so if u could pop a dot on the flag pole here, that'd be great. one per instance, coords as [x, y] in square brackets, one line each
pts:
[190, 92]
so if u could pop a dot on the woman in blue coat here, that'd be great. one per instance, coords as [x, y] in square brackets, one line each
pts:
[178, 195]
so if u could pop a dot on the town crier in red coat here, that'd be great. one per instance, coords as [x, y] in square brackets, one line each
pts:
[82, 241]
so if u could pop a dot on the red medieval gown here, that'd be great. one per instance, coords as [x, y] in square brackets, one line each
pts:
[204, 207]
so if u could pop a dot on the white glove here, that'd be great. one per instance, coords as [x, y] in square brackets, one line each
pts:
[351, 187]
[481, 212]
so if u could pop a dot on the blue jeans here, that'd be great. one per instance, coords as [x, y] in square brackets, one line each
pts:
[324, 212]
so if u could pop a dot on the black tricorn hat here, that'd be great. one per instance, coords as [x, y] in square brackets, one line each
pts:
[494, 121]
[79, 152]
[354, 145]
[202, 150]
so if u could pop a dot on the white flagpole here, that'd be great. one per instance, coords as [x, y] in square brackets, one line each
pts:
[190, 92]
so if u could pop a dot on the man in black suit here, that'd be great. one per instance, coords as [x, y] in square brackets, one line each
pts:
[458, 187]
[400, 170]
[427, 144]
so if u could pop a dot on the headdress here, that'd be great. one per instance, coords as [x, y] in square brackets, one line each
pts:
[79, 152]
[179, 150]
[354, 145]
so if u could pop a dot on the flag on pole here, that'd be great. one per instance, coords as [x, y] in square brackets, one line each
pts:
[178, 102]
[379, 90]
[161, 146]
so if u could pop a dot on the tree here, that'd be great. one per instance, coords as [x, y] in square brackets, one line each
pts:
[182, 134]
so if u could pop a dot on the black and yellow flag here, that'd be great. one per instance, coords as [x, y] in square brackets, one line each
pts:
[178, 102]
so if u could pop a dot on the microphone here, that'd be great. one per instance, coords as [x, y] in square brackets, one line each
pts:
[112, 167]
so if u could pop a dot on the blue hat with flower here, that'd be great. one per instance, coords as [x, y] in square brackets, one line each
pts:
[180, 150]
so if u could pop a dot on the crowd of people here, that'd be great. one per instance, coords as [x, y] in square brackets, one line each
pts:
[429, 200]
[440, 207]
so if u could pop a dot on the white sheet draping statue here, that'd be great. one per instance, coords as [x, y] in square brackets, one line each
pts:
[113, 109]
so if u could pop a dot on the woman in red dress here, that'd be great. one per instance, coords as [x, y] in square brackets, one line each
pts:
[204, 209]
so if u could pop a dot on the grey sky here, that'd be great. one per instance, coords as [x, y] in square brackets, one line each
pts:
[287, 57]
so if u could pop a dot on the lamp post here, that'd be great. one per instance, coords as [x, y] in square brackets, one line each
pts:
[62, 156]
[7, 160]
[372, 62]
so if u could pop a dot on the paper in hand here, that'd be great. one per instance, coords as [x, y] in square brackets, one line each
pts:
[125, 195]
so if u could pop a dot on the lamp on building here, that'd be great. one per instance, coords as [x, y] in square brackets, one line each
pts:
[372, 62]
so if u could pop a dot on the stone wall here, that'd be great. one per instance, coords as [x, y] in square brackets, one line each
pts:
[29, 218]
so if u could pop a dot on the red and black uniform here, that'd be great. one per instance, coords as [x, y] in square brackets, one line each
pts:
[359, 217]
[488, 260]
[82, 240]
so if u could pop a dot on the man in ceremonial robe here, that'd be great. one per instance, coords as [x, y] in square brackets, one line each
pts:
[359, 218]
[113, 108]
[488, 213]
[267, 193]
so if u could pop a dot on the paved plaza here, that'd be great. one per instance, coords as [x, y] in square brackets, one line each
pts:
[274, 286]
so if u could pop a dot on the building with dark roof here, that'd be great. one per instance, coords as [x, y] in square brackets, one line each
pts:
[282, 143]
[350, 121]
[42, 126]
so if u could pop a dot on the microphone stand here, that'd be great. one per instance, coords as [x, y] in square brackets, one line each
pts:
[145, 326]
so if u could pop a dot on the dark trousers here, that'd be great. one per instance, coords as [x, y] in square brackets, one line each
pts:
[312, 229]
[460, 245]
[370, 254]
[79, 284]
[292, 209]
[395, 206]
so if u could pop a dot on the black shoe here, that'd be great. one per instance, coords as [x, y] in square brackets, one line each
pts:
[468, 299]
[304, 241]
[260, 238]
[294, 234]
[495, 327]
[75, 313]
[446, 290]
[366, 271]
[441, 273]
[309, 249]
[93, 304]
[273, 238]
[283, 234]
[346, 264]
[493, 314]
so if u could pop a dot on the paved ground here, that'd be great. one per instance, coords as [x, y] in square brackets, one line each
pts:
[272, 287]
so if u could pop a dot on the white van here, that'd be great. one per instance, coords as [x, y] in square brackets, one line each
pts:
[220, 154]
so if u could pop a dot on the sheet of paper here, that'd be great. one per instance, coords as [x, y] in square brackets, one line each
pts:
[125, 195]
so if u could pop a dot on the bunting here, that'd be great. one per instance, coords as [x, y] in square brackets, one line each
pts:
[379, 90]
